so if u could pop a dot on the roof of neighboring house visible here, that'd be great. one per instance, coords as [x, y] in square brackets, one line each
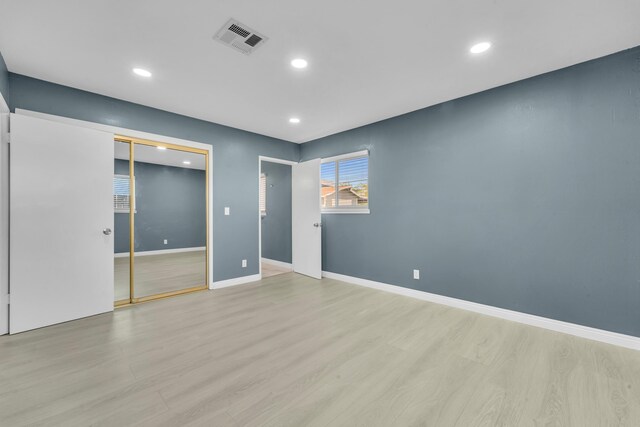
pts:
[327, 190]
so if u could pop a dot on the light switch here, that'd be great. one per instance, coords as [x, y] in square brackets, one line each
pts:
[227, 210]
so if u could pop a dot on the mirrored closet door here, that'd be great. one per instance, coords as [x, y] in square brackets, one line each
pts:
[162, 249]
[122, 203]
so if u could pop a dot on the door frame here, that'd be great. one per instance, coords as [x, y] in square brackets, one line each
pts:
[4, 216]
[282, 162]
[165, 140]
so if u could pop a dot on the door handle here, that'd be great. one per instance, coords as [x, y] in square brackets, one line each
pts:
[106, 231]
[317, 224]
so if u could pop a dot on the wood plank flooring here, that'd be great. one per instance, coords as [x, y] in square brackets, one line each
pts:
[269, 270]
[293, 351]
[156, 274]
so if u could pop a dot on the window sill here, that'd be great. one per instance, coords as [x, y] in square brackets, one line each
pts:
[347, 211]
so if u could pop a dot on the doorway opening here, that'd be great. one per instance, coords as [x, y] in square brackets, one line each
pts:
[275, 216]
[161, 220]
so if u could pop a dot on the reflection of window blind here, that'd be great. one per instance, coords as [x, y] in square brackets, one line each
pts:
[263, 194]
[345, 183]
[121, 193]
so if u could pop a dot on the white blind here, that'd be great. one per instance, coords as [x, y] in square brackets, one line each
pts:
[263, 194]
[121, 193]
[345, 183]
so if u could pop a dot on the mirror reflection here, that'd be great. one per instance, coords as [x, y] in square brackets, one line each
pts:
[170, 220]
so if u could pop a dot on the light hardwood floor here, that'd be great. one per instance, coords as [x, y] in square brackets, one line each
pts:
[269, 270]
[155, 274]
[290, 350]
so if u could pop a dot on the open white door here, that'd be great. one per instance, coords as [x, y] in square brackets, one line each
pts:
[61, 265]
[307, 232]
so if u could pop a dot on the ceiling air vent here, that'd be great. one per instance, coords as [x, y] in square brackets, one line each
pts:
[240, 37]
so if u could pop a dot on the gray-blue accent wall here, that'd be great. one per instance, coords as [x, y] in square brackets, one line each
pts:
[276, 225]
[525, 197]
[235, 159]
[170, 204]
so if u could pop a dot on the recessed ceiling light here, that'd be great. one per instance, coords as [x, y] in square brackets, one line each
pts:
[186, 162]
[299, 63]
[480, 47]
[294, 120]
[142, 72]
[160, 147]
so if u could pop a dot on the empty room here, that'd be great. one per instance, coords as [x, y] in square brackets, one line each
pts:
[332, 213]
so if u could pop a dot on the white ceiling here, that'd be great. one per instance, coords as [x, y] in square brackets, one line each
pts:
[368, 59]
[168, 157]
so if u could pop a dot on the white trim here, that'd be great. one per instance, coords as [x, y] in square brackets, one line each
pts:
[277, 263]
[594, 334]
[235, 281]
[115, 129]
[159, 252]
[345, 156]
[4, 105]
[274, 160]
[260, 216]
[4, 216]
[143, 135]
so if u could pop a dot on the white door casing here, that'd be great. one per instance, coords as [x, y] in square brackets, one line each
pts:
[307, 219]
[61, 265]
[4, 216]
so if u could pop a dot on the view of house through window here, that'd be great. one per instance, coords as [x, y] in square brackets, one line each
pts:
[345, 184]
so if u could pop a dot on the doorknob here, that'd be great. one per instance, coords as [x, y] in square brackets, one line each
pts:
[106, 231]
[317, 224]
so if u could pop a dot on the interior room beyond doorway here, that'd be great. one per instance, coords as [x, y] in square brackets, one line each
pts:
[275, 218]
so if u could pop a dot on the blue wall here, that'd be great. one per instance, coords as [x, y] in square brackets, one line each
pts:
[276, 225]
[170, 204]
[4, 79]
[525, 197]
[235, 159]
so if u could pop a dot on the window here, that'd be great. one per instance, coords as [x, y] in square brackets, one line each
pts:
[263, 194]
[344, 182]
[121, 194]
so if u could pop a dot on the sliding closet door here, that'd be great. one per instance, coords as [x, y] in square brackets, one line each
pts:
[170, 221]
[61, 246]
[122, 216]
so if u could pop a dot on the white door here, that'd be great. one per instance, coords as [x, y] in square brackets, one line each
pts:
[61, 264]
[307, 231]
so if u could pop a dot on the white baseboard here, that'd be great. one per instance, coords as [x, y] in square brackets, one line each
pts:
[159, 252]
[601, 335]
[275, 263]
[235, 281]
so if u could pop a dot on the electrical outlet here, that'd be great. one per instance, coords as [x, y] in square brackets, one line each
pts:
[227, 210]
[165, 241]
[244, 263]
[416, 274]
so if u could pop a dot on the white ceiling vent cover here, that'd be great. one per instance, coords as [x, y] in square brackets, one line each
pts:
[240, 37]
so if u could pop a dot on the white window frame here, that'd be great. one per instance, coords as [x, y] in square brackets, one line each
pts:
[346, 210]
[263, 193]
[131, 201]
